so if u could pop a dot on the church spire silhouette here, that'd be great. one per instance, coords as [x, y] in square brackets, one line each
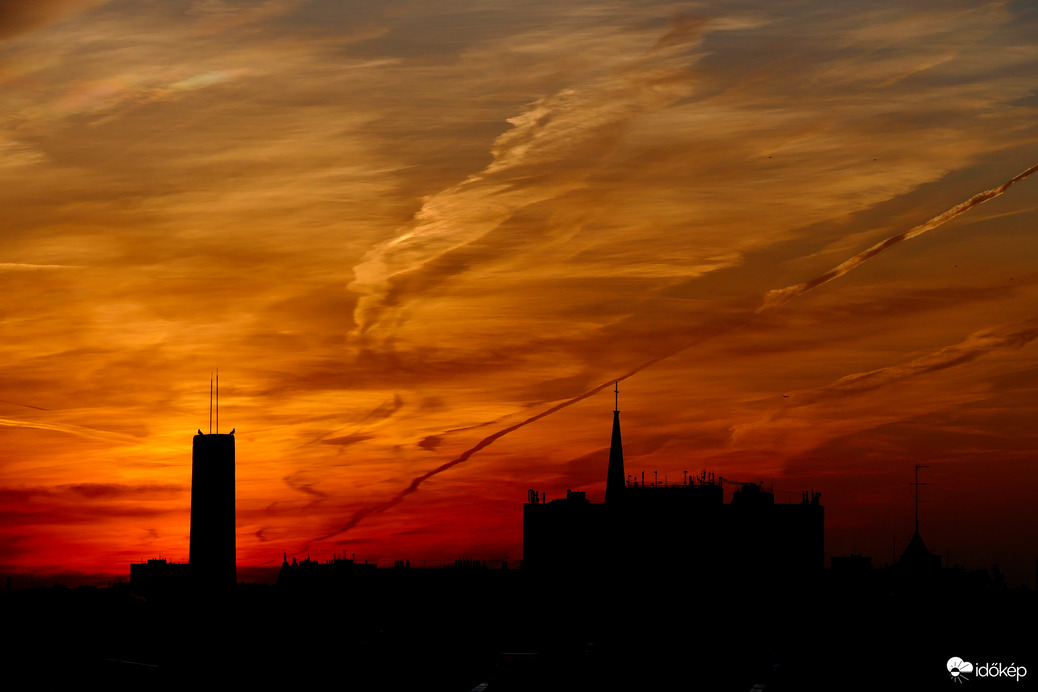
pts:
[615, 475]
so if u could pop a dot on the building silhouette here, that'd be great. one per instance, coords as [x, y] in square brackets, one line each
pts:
[212, 562]
[158, 576]
[212, 556]
[682, 530]
[917, 559]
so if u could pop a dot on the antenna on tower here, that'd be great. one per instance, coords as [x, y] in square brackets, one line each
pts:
[917, 500]
[616, 392]
[210, 403]
[218, 404]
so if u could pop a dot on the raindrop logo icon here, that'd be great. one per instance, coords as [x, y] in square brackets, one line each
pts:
[958, 668]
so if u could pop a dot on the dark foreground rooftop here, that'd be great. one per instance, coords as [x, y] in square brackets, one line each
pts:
[454, 629]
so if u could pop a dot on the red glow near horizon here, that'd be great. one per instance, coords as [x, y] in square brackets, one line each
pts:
[394, 246]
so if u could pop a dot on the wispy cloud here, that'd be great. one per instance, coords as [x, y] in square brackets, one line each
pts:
[346, 440]
[546, 154]
[779, 296]
[526, 198]
[977, 345]
[122, 490]
[15, 403]
[69, 429]
[299, 482]
[416, 482]
[19, 16]
[19, 267]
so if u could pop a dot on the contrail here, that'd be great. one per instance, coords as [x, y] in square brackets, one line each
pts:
[20, 267]
[360, 514]
[15, 403]
[92, 433]
[772, 299]
[976, 345]
[779, 296]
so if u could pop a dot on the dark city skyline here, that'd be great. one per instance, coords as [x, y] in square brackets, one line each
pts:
[425, 243]
[572, 345]
[725, 594]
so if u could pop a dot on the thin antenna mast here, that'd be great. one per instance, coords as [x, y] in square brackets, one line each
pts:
[616, 392]
[210, 403]
[917, 484]
[218, 412]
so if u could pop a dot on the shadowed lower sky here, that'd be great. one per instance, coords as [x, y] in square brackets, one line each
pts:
[400, 228]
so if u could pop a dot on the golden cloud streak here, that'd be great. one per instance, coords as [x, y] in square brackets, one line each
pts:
[780, 296]
[69, 429]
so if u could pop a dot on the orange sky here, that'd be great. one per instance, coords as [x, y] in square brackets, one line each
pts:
[399, 227]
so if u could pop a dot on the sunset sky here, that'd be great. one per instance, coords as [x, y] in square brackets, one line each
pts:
[399, 227]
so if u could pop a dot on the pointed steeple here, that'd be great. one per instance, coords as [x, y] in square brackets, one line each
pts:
[615, 475]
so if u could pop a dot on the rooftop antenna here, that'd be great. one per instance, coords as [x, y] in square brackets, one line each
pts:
[210, 403]
[917, 484]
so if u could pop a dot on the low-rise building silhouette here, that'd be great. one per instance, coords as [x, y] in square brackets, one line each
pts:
[681, 529]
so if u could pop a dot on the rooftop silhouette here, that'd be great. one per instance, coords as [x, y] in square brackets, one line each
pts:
[682, 529]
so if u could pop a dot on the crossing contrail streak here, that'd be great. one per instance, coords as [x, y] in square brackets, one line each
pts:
[772, 299]
[80, 430]
[779, 296]
[360, 514]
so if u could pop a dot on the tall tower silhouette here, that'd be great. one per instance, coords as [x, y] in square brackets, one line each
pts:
[615, 474]
[212, 556]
